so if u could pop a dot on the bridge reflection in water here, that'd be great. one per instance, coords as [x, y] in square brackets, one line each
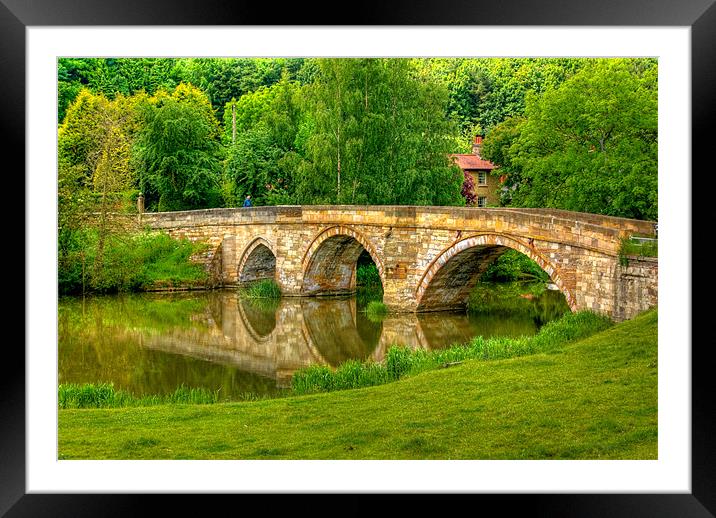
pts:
[131, 343]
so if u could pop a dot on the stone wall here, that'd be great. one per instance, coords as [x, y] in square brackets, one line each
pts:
[637, 287]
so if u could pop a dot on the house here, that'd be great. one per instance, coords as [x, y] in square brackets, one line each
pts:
[486, 184]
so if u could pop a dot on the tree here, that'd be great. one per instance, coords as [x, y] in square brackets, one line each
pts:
[96, 132]
[378, 134]
[485, 91]
[251, 166]
[112, 77]
[223, 79]
[498, 148]
[468, 189]
[588, 145]
[178, 150]
[260, 131]
[95, 179]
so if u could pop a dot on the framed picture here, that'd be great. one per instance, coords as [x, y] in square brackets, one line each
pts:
[34, 35]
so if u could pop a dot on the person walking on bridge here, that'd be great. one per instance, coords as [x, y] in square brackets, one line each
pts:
[247, 201]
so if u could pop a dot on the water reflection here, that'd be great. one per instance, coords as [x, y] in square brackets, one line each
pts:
[152, 343]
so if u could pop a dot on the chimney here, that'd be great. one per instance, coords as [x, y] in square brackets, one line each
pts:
[477, 145]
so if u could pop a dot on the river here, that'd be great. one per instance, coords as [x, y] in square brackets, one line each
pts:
[151, 343]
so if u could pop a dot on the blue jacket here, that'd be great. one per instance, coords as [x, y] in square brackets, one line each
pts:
[247, 203]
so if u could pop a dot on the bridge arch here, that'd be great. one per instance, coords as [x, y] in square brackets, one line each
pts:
[257, 262]
[259, 324]
[454, 271]
[329, 263]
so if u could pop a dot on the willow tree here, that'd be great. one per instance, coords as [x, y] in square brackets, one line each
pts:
[178, 150]
[376, 132]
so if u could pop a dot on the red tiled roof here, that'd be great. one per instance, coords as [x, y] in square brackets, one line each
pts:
[472, 162]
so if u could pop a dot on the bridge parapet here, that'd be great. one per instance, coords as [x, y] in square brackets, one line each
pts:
[593, 231]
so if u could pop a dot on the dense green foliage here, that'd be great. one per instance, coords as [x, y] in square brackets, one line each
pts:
[403, 361]
[379, 135]
[367, 275]
[130, 262]
[178, 151]
[485, 91]
[572, 133]
[513, 266]
[588, 145]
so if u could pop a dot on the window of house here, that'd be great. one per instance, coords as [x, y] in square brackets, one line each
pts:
[482, 201]
[481, 178]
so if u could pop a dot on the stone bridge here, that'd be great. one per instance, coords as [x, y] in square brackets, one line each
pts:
[429, 258]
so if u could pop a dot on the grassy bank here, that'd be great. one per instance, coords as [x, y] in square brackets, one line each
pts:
[104, 395]
[127, 262]
[403, 361]
[594, 398]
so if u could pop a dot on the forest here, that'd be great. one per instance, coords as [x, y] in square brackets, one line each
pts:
[577, 134]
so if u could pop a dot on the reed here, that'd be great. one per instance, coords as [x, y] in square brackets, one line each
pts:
[262, 289]
[104, 395]
[376, 311]
[401, 361]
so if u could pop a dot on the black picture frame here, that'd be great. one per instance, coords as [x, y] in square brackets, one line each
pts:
[699, 15]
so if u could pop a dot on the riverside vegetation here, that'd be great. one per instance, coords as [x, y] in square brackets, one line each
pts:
[404, 361]
[125, 262]
[595, 382]
[488, 298]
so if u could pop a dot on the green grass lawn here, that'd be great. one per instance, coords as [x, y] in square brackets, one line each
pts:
[591, 399]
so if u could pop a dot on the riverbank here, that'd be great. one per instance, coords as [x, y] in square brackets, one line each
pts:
[594, 398]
